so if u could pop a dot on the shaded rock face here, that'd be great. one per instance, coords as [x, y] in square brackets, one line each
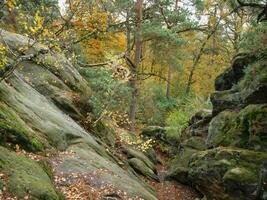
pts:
[224, 173]
[198, 124]
[40, 104]
[250, 88]
[225, 157]
[167, 143]
[232, 75]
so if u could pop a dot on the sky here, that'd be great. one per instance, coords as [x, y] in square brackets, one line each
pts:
[62, 5]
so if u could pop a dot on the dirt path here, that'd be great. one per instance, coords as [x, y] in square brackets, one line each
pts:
[171, 190]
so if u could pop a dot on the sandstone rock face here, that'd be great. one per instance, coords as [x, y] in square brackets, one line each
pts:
[225, 156]
[25, 175]
[168, 143]
[225, 173]
[40, 104]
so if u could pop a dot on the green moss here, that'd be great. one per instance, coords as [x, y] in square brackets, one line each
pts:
[195, 143]
[25, 177]
[218, 128]
[231, 172]
[240, 175]
[1, 184]
[47, 169]
[246, 129]
[179, 165]
[104, 130]
[255, 74]
[142, 168]
[13, 130]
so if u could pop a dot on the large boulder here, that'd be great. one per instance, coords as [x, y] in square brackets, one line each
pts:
[25, 178]
[179, 165]
[198, 125]
[246, 129]
[142, 168]
[167, 142]
[250, 89]
[227, 174]
[225, 157]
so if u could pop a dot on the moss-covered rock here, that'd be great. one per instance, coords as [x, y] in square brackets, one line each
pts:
[14, 131]
[141, 167]
[104, 130]
[51, 86]
[198, 125]
[224, 173]
[233, 167]
[197, 143]
[246, 129]
[166, 141]
[218, 128]
[203, 114]
[225, 100]
[178, 166]
[232, 75]
[26, 177]
[153, 156]
[133, 153]
[48, 97]
[253, 86]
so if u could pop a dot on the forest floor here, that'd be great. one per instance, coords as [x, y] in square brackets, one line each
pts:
[171, 190]
[80, 186]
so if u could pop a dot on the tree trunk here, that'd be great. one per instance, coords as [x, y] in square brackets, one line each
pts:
[137, 58]
[168, 88]
[197, 58]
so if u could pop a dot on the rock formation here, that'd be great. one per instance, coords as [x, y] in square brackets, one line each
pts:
[223, 154]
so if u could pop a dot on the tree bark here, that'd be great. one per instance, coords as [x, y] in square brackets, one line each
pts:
[197, 58]
[168, 88]
[137, 58]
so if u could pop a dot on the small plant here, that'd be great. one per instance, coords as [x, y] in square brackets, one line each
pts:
[178, 119]
[3, 56]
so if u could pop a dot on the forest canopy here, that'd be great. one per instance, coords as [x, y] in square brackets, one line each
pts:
[149, 61]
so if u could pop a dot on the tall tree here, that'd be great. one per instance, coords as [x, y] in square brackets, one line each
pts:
[137, 59]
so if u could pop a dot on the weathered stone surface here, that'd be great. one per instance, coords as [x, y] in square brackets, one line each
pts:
[34, 109]
[133, 153]
[224, 173]
[246, 129]
[218, 128]
[232, 75]
[168, 142]
[39, 104]
[231, 165]
[250, 89]
[253, 86]
[198, 125]
[225, 100]
[179, 165]
[13, 130]
[25, 177]
[100, 171]
[142, 168]
[203, 114]
[196, 143]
